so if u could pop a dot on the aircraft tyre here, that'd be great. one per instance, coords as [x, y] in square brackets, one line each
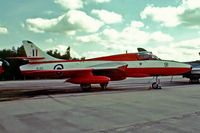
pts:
[155, 86]
[85, 87]
[194, 80]
[104, 86]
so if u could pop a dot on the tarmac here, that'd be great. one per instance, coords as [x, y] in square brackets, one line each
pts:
[128, 106]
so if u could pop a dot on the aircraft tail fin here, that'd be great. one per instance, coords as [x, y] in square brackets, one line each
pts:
[34, 53]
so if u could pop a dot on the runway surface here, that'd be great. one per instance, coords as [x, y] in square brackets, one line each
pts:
[53, 106]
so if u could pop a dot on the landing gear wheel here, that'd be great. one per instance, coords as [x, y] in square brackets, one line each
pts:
[85, 87]
[194, 80]
[104, 86]
[155, 86]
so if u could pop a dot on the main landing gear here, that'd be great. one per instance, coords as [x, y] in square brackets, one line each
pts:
[194, 80]
[87, 87]
[104, 86]
[156, 85]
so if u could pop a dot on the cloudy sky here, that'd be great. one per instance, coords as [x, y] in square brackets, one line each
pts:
[92, 28]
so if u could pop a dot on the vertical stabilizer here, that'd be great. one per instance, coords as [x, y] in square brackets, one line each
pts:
[33, 51]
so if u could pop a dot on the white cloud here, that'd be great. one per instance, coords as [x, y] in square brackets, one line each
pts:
[191, 18]
[166, 15]
[107, 16]
[187, 44]
[127, 39]
[89, 38]
[137, 24]
[75, 54]
[159, 37]
[39, 25]
[187, 13]
[3, 30]
[50, 40]
[101, 1]
[77, 4]
[186, 50]
[49, 12]
[71, 22]
[191, 4]
[96, 1]
[22, 25]
[70, 4]
[62, 49]
[94, 54]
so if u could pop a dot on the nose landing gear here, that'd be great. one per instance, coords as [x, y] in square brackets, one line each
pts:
[104, 86]
[156, 85]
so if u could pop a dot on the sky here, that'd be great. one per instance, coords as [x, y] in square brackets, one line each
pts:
[94, 28]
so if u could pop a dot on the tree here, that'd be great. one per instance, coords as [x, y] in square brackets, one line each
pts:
[54, 53]
[21, 52]
[13, 71]
[67, 54]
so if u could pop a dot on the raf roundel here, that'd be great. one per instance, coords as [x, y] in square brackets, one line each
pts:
[58, 67]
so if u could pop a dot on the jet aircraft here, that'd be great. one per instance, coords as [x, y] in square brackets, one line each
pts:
[3, 65]
[99, 70]
[194, 74]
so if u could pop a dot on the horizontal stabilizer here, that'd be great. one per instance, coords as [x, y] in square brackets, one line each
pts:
[27, 58]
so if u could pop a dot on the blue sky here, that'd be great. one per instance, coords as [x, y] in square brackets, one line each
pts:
[92, 28]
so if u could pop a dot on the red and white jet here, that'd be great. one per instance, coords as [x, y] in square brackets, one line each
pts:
[98, 70]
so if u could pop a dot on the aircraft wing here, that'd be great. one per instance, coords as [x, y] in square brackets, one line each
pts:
[114, 71]
[57, 73]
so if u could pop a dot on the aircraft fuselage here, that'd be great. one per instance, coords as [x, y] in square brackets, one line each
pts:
[141, 68]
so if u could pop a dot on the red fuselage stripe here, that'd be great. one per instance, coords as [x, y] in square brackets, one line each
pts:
[162, 71]
[132, 72]
[121, 57]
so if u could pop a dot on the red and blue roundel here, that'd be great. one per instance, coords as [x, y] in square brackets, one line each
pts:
[58, 67]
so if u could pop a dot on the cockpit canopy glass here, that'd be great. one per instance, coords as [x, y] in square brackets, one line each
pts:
[147, 56]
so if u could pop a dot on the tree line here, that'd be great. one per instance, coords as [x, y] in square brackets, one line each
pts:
[12, 72]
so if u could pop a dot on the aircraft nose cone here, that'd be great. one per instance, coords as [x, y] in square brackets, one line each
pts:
[176, 68]
[183, 68]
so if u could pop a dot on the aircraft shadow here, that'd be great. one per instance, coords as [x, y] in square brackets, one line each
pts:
[17, 94]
